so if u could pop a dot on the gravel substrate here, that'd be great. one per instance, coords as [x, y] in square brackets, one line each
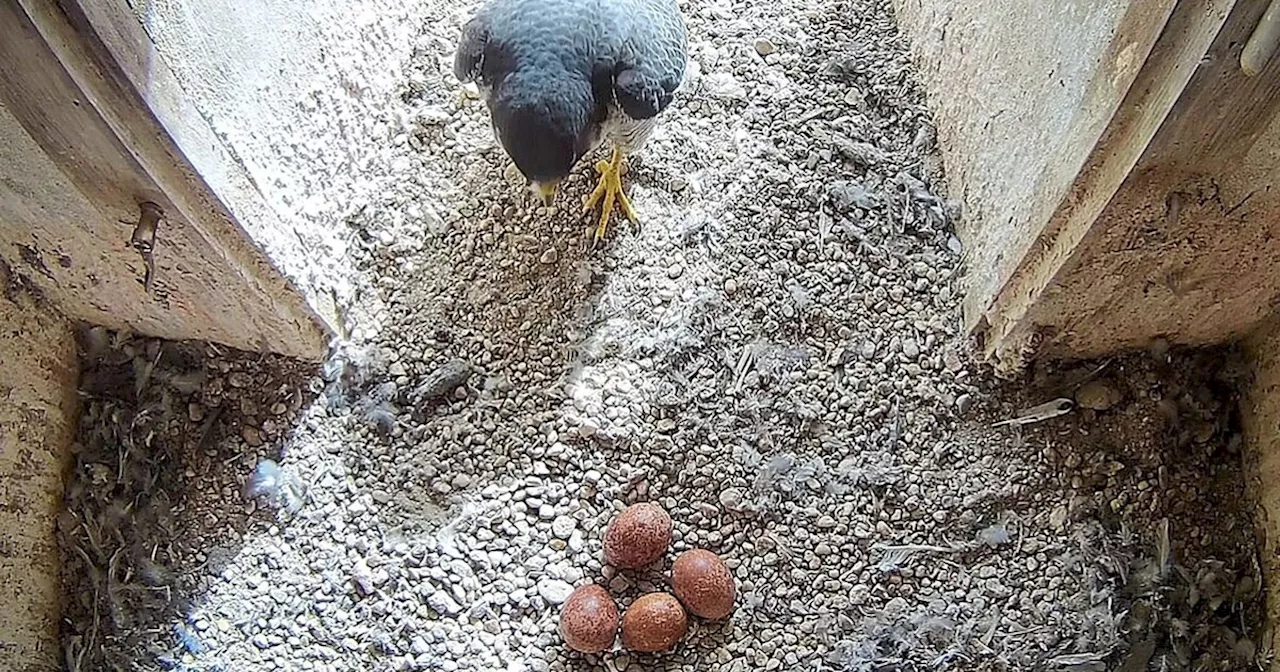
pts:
[773, 356]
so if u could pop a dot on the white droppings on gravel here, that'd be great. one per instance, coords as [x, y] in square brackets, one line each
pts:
[554, 591]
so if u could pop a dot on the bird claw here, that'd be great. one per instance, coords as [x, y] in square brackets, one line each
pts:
[609, 190]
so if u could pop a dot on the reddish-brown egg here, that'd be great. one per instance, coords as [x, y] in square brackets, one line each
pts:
[589, 619]
[637, 537]
[653, 623]
[704, 584]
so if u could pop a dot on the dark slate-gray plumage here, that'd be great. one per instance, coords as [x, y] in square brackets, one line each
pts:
[561, 76]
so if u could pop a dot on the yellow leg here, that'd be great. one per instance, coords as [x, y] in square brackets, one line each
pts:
[610, 190]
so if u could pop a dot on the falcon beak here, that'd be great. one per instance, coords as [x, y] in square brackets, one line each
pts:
[546, 191]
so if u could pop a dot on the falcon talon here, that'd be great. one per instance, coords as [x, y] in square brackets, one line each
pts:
[609, 189]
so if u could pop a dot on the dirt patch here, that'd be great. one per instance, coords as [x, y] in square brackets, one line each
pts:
[1152, 461]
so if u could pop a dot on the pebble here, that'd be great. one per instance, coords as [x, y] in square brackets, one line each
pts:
[443, 603]
[554, 591]
[362, 576]
[444, 381]
[1097, 395]
[563, 527]
[731, 499]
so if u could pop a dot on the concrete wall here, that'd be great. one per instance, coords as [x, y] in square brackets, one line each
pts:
[247, 91]
[1020, 92]
[78, 155]
[82, 261]
[37, 425]
[1185, 248]
[1171, 272]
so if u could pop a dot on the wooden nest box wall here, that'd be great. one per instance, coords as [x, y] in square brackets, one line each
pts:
[1116, 164]
[1119, 167]
[102, 220]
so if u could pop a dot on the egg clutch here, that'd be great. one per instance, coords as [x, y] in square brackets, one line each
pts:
[655, 622]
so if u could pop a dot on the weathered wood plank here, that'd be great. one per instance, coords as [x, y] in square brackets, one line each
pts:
[70, 96]
[1008, 333]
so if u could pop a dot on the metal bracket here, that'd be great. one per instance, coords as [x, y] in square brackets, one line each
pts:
[144, 238]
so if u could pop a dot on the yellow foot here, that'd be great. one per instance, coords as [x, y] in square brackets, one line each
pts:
[610, 190]
[467, 93]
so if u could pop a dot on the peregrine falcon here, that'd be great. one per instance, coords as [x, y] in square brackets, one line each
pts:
[560, 77]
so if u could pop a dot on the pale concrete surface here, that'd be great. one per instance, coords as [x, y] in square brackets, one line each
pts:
[248, 91]
[83, 262]
[37, 425]
[1007, 83]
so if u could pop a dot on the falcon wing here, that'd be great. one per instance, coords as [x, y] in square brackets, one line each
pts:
[652, 62]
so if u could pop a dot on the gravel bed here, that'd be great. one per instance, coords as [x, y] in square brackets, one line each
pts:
[773, 355]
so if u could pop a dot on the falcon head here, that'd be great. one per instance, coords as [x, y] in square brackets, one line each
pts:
[542, 118]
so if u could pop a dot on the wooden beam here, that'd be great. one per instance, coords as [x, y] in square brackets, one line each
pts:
[70, 94]
[1007, 327]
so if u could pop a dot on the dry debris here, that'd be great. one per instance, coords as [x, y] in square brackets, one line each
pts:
[135, 514]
